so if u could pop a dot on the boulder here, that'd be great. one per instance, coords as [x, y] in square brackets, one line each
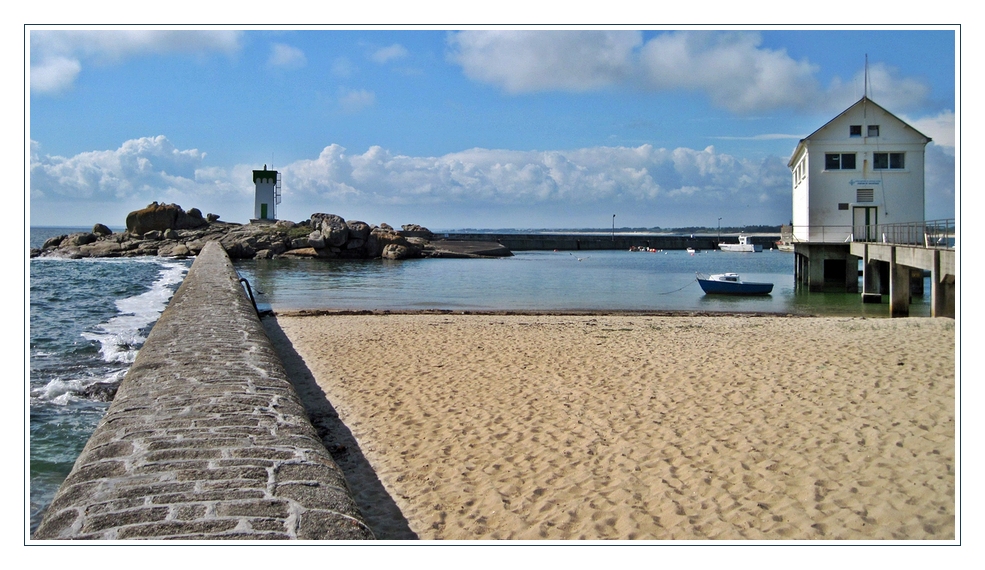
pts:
[162, 217]
[54, 241]
[78, 239]
[396, 251]
[101, 230]
[358, 230]
[332, 227]
[379, 238]
[316, 240]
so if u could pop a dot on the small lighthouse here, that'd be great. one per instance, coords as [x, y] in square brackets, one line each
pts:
[267, 194]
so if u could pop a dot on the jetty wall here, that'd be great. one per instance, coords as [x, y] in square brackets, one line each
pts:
[206, 437]
[582, 242]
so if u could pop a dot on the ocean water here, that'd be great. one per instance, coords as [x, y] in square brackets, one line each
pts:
[89, 317]
[549, 281]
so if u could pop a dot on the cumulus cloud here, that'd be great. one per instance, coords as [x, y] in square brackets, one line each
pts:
[104, 185]
[886, 87]
[647, 186]
[389, 53]
[654, 179]
[939, 127]
[54, 74]
[526, 61]
[57, 55]
[283, 55]
[733, 69]
[139, 165]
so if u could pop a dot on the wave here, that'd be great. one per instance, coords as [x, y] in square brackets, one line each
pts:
[122, 336]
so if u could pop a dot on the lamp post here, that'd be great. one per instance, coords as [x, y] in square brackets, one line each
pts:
[613, 228]
[719, 230]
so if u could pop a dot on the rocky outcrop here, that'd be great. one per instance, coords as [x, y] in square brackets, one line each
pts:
[161, 217]
[168, 231]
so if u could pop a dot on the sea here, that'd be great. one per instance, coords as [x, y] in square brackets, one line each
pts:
[89, 317]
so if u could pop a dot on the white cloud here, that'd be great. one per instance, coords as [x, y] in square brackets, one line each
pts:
[104, 185]
[940, 128]
[553, 180]
[54, 74]
[389, 53]
[644, 185]
[732, 68]
[57, 55]
[355, 100]
[886, 87]
[526, 61]
[283, 55]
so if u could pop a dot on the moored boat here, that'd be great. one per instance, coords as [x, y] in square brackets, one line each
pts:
[731, 284]
[744, 245]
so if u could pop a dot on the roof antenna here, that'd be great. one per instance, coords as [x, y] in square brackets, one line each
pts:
[866, 85]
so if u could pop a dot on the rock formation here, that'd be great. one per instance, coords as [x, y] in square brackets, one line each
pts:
[168, 231]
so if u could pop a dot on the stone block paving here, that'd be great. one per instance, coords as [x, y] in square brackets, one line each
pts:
[206, 438]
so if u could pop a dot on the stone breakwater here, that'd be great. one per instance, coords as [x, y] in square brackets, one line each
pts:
[206, 438]
[168, 231]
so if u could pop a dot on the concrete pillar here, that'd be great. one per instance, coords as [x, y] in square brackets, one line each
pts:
[871, 279]
[851, 274]
[899, 288]
[816, 271]
[941, 290]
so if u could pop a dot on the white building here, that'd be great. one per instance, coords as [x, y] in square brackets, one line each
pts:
[862, 169]
[267, 194]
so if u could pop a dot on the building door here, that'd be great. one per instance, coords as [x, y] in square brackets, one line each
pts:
[263, 211]
[865, 220]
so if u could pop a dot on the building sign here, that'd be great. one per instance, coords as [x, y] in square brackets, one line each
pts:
[865, 182]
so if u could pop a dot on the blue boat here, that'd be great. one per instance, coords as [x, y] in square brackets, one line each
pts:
[730, 284]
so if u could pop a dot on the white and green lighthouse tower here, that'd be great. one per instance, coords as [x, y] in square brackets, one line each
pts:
[267, 194]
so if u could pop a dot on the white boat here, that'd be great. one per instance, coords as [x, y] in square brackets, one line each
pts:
[744, 245]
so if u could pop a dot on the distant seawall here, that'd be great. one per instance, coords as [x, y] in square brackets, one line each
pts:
[206, 438]
[599, 241]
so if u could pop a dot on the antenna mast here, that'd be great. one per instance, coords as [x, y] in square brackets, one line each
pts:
[865, 89]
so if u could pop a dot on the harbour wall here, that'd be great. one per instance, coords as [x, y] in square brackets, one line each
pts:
[575, 242]
[206, 437]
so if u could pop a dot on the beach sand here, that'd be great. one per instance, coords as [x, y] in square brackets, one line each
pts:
[635, 427]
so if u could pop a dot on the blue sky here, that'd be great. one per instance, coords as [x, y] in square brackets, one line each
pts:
[481, 128]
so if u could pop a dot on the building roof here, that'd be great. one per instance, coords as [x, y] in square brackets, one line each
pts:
[863, 100]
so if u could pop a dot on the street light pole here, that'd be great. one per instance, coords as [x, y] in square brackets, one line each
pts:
[719, 230]
[613, 227]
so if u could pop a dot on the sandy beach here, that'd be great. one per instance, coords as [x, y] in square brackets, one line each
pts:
[463, 427]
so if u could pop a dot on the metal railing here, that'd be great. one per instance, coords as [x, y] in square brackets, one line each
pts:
[936, 234]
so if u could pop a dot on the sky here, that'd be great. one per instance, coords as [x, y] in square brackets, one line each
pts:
[464, 128]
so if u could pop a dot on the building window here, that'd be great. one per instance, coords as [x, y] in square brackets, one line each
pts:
[855, 130]
[865, 195]
[836, 161]
[887, 160]
[843, 205]
[873, 130]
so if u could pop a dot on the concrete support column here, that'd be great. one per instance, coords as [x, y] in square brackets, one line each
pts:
[941, 290]
[851, 274]
[871, 279]
[816, 272]
[899, 288]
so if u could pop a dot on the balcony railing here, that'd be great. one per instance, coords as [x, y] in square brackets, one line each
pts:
[938, 234]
